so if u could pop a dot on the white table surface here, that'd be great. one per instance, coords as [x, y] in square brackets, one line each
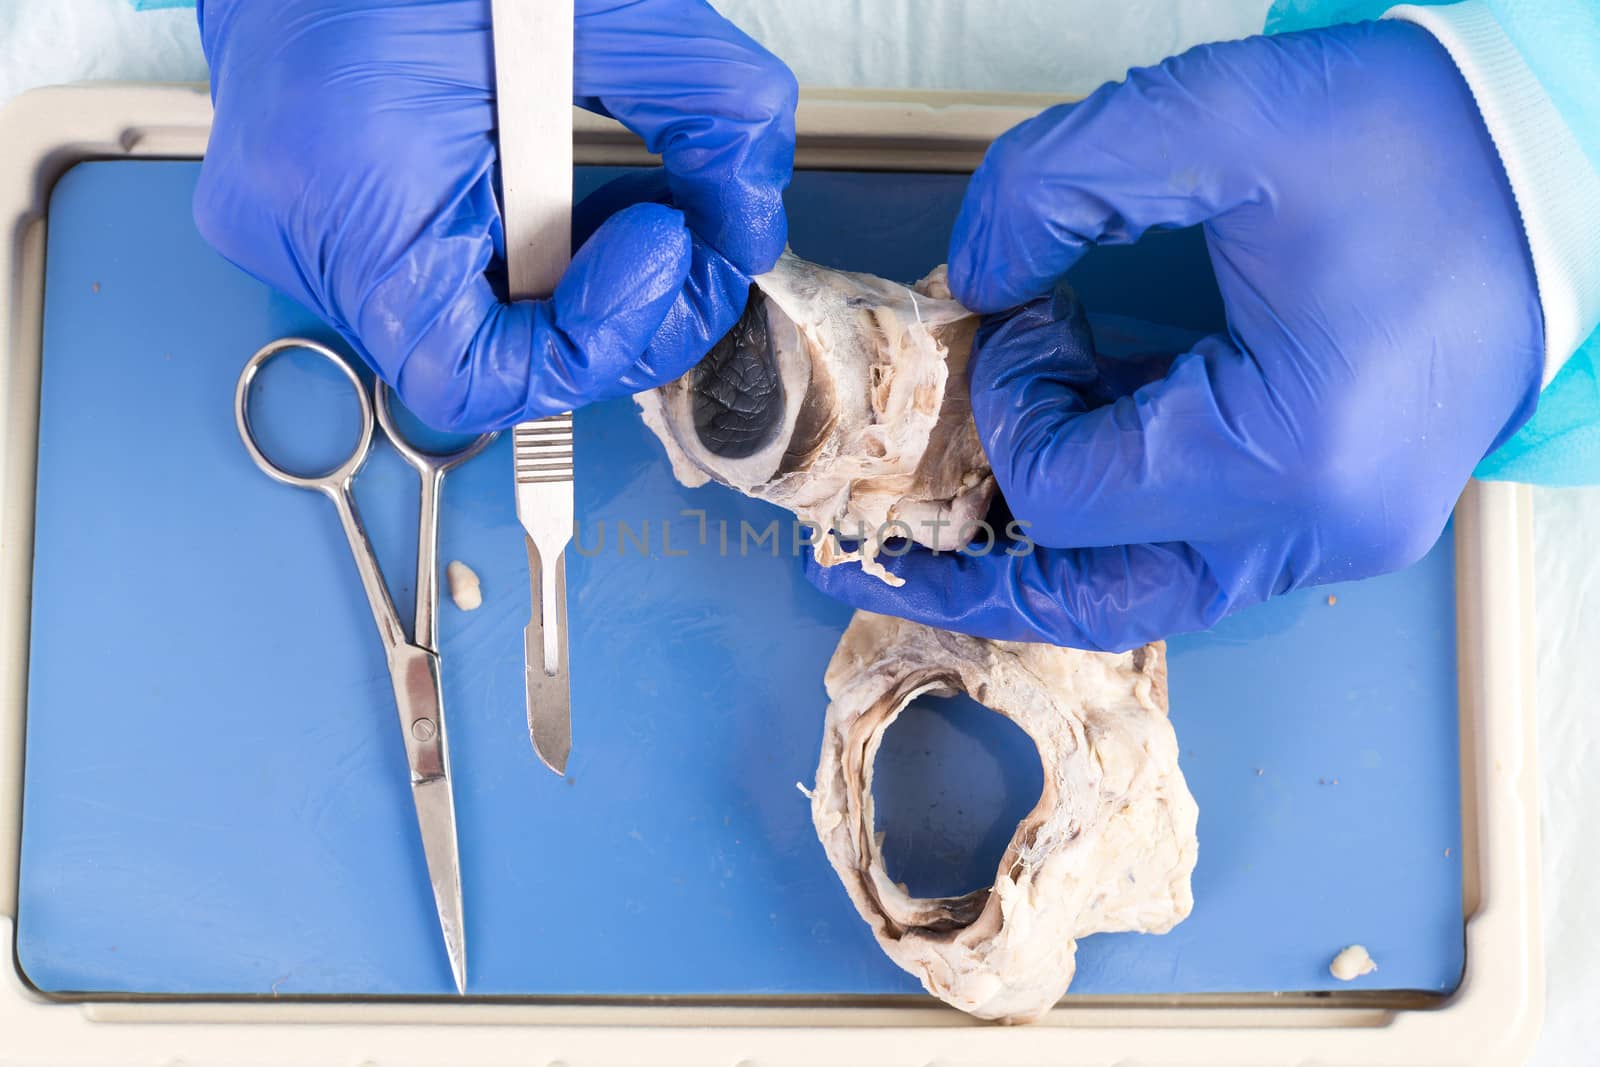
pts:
[943, 44]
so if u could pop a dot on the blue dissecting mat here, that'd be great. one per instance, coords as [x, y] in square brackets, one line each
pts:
[215, 793]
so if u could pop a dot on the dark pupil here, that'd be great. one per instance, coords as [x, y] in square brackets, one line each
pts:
[738, 392]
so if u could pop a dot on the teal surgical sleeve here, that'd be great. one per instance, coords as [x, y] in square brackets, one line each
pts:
[1534, 67]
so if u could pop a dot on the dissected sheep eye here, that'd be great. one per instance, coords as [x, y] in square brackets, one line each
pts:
[738, 390]
[842, 397]
[1110, 845]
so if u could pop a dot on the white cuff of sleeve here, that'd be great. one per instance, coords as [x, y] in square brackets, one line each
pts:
[1556, 189]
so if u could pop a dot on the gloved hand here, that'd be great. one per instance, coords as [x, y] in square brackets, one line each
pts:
[1384, 334]
[352, 165]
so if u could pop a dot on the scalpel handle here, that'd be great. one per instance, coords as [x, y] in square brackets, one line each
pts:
[533, 87]
[533, 91]
[543, 456]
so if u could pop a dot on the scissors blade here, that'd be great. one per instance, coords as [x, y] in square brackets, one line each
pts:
[415, 673]
[436, 816]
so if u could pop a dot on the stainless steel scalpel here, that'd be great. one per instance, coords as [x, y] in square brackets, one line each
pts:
[533, 89]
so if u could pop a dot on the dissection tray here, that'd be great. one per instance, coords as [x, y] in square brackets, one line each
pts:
[214, 803]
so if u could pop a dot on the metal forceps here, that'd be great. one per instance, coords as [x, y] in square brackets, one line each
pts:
[413, 664]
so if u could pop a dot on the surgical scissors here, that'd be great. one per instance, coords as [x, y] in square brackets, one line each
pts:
[414, 663]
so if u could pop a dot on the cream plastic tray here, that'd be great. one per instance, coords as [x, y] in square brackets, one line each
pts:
[1493, 1017]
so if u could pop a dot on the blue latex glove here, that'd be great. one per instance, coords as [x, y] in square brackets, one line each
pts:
[1384, 334]
[352, 165]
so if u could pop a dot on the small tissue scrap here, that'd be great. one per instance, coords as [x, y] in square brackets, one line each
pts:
[1352, 963]
[464, 587]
